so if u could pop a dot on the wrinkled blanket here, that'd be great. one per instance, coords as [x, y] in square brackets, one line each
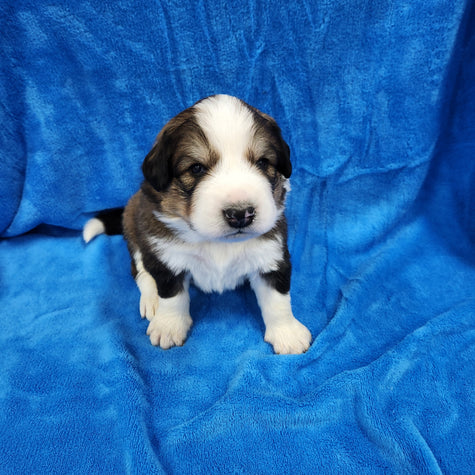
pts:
[377, 103]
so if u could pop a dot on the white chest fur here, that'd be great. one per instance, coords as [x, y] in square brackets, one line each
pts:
[216, 266]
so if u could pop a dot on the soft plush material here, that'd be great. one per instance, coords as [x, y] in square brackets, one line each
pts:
[377, 102]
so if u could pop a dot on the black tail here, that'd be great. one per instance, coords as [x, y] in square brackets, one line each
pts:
[108, 221]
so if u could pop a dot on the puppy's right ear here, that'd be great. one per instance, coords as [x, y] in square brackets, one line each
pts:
[156, 167]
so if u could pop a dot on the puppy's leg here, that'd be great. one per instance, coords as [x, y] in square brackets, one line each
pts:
[164, 301]
[148, 288]
[171, 323]
[283, 331]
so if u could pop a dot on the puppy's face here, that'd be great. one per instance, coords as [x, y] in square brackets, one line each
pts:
[219, 171]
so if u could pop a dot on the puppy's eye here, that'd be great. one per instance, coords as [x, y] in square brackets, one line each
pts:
[197, 169]
[263, 163]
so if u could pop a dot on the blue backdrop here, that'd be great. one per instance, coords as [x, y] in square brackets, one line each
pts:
[377, 102]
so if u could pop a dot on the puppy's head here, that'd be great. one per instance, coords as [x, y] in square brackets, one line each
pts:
[219, 170]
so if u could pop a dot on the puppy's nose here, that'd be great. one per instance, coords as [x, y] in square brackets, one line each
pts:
[239, 218]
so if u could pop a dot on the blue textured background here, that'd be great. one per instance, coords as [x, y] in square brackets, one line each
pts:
[377, 102]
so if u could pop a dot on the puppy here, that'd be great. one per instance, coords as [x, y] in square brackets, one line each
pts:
[211, 211]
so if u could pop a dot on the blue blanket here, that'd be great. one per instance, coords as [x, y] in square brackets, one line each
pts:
[377, 102]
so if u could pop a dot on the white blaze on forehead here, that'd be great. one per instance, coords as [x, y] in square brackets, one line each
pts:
[228, 125]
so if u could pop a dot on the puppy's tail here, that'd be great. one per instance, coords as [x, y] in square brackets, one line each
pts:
[108, 222]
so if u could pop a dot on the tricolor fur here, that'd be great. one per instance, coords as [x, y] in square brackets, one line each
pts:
[211, 211]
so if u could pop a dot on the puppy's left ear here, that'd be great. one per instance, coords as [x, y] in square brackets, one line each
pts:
[284, 165]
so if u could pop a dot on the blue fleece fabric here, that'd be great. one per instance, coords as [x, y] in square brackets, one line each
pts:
[377, 102]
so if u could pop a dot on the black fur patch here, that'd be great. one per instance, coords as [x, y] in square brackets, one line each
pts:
[280, 278]
[168, 284]
[112, 220]
[156, 166]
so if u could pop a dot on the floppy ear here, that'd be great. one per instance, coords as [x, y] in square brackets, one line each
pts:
[284, 165]
[156, 167]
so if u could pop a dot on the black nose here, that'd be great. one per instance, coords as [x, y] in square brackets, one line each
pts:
[239, 218]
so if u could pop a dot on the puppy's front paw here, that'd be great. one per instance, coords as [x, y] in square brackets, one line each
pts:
[168, 330]
[289, 337]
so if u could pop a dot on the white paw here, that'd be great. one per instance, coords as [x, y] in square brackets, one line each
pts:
[149, 305]
[168, 330]
[289, 337]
